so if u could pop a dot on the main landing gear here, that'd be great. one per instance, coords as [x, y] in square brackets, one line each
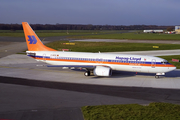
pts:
[87, 73]
[156, 76]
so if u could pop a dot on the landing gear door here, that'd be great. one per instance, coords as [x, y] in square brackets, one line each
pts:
[153, 63]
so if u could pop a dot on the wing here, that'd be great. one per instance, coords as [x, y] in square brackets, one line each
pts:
[98, 70]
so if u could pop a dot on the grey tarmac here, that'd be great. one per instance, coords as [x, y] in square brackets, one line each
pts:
[30, 90]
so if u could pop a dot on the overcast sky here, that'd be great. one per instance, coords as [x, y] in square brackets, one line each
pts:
[96, 12]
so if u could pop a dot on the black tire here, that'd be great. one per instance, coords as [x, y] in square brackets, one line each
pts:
[87, 73]
[156, 76]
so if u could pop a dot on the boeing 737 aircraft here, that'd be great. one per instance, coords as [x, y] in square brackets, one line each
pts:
[101, 64]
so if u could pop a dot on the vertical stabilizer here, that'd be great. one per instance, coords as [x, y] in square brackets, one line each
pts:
[32, 40]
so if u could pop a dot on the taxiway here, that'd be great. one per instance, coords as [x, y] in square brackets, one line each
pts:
[30, 90]
[22, 66]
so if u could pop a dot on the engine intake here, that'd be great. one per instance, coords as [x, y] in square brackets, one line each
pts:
[102, 71]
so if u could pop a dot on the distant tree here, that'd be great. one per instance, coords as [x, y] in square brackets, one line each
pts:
[58, 26]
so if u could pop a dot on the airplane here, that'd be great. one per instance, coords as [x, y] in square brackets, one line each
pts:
[100, 64]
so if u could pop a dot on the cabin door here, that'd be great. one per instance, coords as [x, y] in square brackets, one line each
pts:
[153, 63]
[99, 60]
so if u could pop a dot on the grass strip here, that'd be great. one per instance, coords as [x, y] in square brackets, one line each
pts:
[96, 34]
[110, 46]
[51, 33]
[154, 111]
[131, 36]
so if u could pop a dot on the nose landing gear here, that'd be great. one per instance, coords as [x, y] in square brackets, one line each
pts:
[158, 75]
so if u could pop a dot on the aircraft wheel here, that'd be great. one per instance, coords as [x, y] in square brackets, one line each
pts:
[156, 76]
[87, 73]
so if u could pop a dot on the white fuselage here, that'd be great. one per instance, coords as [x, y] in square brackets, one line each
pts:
[121, 62]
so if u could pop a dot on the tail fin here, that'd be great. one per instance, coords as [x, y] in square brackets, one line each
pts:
[32, 40]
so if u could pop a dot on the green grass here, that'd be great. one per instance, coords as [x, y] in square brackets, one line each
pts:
[154, 111]
[51, 33]
[95, 34]
[110, 46]
[9, 33]
[169, 59]
[43, 33]
[132, 36]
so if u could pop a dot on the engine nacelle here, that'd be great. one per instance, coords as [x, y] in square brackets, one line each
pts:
[102, 71]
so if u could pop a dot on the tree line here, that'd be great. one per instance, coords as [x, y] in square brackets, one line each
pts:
[82, 27]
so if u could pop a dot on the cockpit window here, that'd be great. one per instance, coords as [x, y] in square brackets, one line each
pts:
[164, 62]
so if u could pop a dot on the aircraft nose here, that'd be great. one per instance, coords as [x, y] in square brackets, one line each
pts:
[172, 67]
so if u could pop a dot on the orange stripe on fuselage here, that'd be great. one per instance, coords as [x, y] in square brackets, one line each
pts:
[112, 63]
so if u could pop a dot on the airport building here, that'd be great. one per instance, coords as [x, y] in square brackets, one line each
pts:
[177, 29]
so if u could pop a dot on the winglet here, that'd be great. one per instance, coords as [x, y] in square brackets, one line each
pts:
[32, 40]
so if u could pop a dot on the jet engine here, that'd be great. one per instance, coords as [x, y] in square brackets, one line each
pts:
[102, 71]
